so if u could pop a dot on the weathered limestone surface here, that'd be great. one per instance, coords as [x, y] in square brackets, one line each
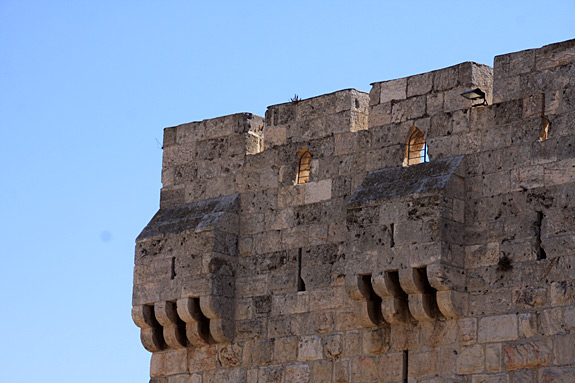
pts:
[459, 270]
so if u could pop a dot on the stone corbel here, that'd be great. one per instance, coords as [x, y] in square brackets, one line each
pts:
[197, 327]
[449, 282]
[151, 333]
[393, 300]
[220, 311]
[422, 305]
[173, 329]
[366, 309]
[356, 288]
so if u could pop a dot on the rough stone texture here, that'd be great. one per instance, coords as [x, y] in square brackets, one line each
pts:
[471, 360]
[527, 355]
[459, 270]
[497, 328]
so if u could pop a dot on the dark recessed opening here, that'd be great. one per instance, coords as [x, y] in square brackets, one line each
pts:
[300, 281]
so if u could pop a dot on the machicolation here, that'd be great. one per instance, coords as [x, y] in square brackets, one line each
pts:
[424, 232]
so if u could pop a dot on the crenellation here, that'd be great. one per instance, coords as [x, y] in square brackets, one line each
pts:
[428, 237]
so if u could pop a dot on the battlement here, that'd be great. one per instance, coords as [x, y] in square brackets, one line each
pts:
[316, 117]
[423, 232]
[530, 72]
[427, 94]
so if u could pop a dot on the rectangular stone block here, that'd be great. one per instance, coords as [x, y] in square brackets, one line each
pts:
[497, 328]
[391, 367]
[471, 360]
[419, 84]
[482, 255]
[379, 115]
[169, 363]
[453, 100]
[258, 352]
[310, 348]
[297, 373]
[290, 304]
[317, 191]
[342, 371]
[365, 369]
[493, 357]
[490, 378]
[202, 358]
[468, 330]
[326, 298]
[560, 172]
[409, 109]
[446, 78]
[424, 364]
[527, 355]
[564, 350]
[527, 325]
[553, 55]
[529, 297]
[285, 349]
[439, 333]
[551, 321]
[557, 375]
[434, 103]
[393, 90]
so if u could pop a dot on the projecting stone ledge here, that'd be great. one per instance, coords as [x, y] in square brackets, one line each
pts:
[193, 216]
[403, 181]
[184, 277]
[407, 225]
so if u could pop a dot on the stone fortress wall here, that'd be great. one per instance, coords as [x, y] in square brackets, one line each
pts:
[460, 269]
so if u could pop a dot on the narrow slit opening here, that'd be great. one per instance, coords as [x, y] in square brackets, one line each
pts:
[405, 366]
[173, 268]
[544, 132]
[300, 281]
[392, 235]
[540, 251]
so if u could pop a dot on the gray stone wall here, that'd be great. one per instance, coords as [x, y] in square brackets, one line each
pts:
[461, 269]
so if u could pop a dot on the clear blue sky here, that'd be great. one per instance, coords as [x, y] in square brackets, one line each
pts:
[86, 88]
